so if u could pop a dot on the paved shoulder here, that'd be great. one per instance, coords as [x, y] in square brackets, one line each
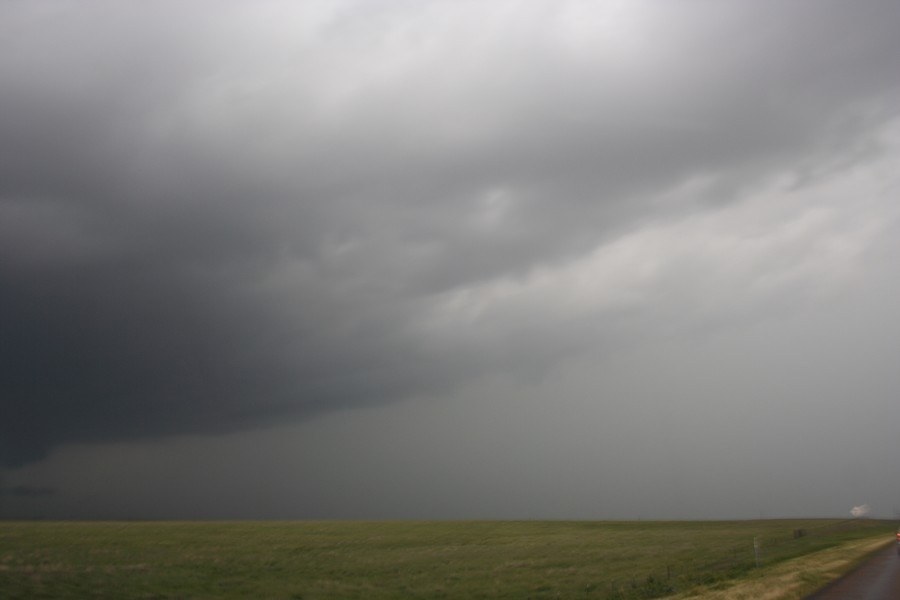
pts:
[876, 579]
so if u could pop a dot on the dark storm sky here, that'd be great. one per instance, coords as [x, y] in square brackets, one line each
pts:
[450, 259]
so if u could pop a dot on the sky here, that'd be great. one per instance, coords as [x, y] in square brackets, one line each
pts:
[394, 259]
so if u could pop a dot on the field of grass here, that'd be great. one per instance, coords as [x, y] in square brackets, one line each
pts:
[381, 560]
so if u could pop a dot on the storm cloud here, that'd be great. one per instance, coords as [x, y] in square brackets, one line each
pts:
[224, 217]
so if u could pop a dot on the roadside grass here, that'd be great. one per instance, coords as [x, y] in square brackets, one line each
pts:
[792, 579]
[403, 559]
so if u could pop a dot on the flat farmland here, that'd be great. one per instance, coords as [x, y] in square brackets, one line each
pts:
[401, 559]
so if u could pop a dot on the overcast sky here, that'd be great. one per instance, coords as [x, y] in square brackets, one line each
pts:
[449, 259]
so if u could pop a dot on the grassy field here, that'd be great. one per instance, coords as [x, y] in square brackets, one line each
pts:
[379, 560]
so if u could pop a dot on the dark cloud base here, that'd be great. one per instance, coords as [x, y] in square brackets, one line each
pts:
[201, 236]
[25, 491]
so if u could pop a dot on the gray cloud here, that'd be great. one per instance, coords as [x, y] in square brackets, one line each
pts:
[216, 220]
[24, 491]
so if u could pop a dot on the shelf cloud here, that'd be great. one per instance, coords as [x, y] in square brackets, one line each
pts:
[217, 218]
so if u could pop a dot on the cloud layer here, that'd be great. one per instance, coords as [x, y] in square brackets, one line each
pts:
[218, 217]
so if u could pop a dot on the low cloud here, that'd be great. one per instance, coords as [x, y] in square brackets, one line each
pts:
[25, 491]
[219, 220]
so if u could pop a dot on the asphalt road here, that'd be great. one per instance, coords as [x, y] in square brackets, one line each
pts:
[876, 579]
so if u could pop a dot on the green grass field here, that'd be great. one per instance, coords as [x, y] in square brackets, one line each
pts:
[376, 560]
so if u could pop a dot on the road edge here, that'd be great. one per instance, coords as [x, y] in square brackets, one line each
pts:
[794, 579]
